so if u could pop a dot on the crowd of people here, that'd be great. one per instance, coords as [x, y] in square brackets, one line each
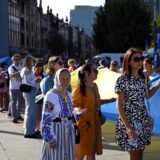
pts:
[52, 107]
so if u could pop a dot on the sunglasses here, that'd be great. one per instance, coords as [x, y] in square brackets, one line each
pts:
[138, 59]
[16, 59]
[60, 62]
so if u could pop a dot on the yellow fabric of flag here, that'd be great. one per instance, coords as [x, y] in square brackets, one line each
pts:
[106, 82]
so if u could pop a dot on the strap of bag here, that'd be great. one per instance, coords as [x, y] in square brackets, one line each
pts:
[147, 93]
[14, 68]
[96, 131]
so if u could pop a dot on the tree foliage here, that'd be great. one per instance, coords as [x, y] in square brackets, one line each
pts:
[121, 24]
[56, 43]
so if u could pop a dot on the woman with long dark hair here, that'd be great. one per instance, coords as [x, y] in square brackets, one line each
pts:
[86, 96]
[133, 129]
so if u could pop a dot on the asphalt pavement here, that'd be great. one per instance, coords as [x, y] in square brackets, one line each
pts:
[13, 145]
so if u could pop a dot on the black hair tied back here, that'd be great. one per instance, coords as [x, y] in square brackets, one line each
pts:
[81, 77]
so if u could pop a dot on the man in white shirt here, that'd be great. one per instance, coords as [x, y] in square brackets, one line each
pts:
[17, 100]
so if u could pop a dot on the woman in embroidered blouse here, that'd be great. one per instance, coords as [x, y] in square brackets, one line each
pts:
[57, 125]
[29, 97]
[86, 95]
[133, 129]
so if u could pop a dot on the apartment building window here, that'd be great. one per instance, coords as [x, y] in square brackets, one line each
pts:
[27, 41]
[14, 25]
[9, 24]
[9, 9]
[15, 39]
[38, 43]
[32, 41]
[32, 26]
[18, 27]
[12, 40]
[27, 26]
[14, 11]
[27, 9]
[22, 39]
[22, 23]
[10, 37]
[22, 7]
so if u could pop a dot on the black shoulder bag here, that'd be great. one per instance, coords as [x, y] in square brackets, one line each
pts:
[77, 132]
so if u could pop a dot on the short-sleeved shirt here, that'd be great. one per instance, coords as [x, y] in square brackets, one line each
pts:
[14, 82]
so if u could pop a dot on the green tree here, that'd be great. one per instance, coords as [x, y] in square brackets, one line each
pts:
[121, 24]
[56, 43]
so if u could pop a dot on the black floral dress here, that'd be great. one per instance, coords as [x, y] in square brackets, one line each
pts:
[135, 111]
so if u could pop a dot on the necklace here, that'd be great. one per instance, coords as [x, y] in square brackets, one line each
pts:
[63, 94]
[65, 99]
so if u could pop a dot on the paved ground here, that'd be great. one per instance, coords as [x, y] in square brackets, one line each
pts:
[13, 146]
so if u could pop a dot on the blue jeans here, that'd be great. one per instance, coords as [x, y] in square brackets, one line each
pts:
[30, 112]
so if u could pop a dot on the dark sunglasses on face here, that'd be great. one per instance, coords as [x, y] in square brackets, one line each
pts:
[16, 59]
[138, 59]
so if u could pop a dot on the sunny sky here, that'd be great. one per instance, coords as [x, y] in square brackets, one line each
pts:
[62, 7]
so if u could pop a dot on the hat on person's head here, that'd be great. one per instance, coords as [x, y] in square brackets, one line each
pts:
[57, 84]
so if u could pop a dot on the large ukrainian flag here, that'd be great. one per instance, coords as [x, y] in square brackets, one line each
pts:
[106, 81]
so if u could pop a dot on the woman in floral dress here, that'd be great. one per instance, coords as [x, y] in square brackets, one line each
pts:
[133, 129]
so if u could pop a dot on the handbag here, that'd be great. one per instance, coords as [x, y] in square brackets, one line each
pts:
[102, 117]
[77, 134]
[76, 129]
[39, 99]
[150, 119]
[25, 88]
[2, 84]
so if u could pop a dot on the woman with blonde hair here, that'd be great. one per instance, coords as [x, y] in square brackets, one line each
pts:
[72, 65]
[28, 78]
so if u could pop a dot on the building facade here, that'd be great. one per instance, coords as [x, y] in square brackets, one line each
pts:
[26, 29]
[4, 30]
